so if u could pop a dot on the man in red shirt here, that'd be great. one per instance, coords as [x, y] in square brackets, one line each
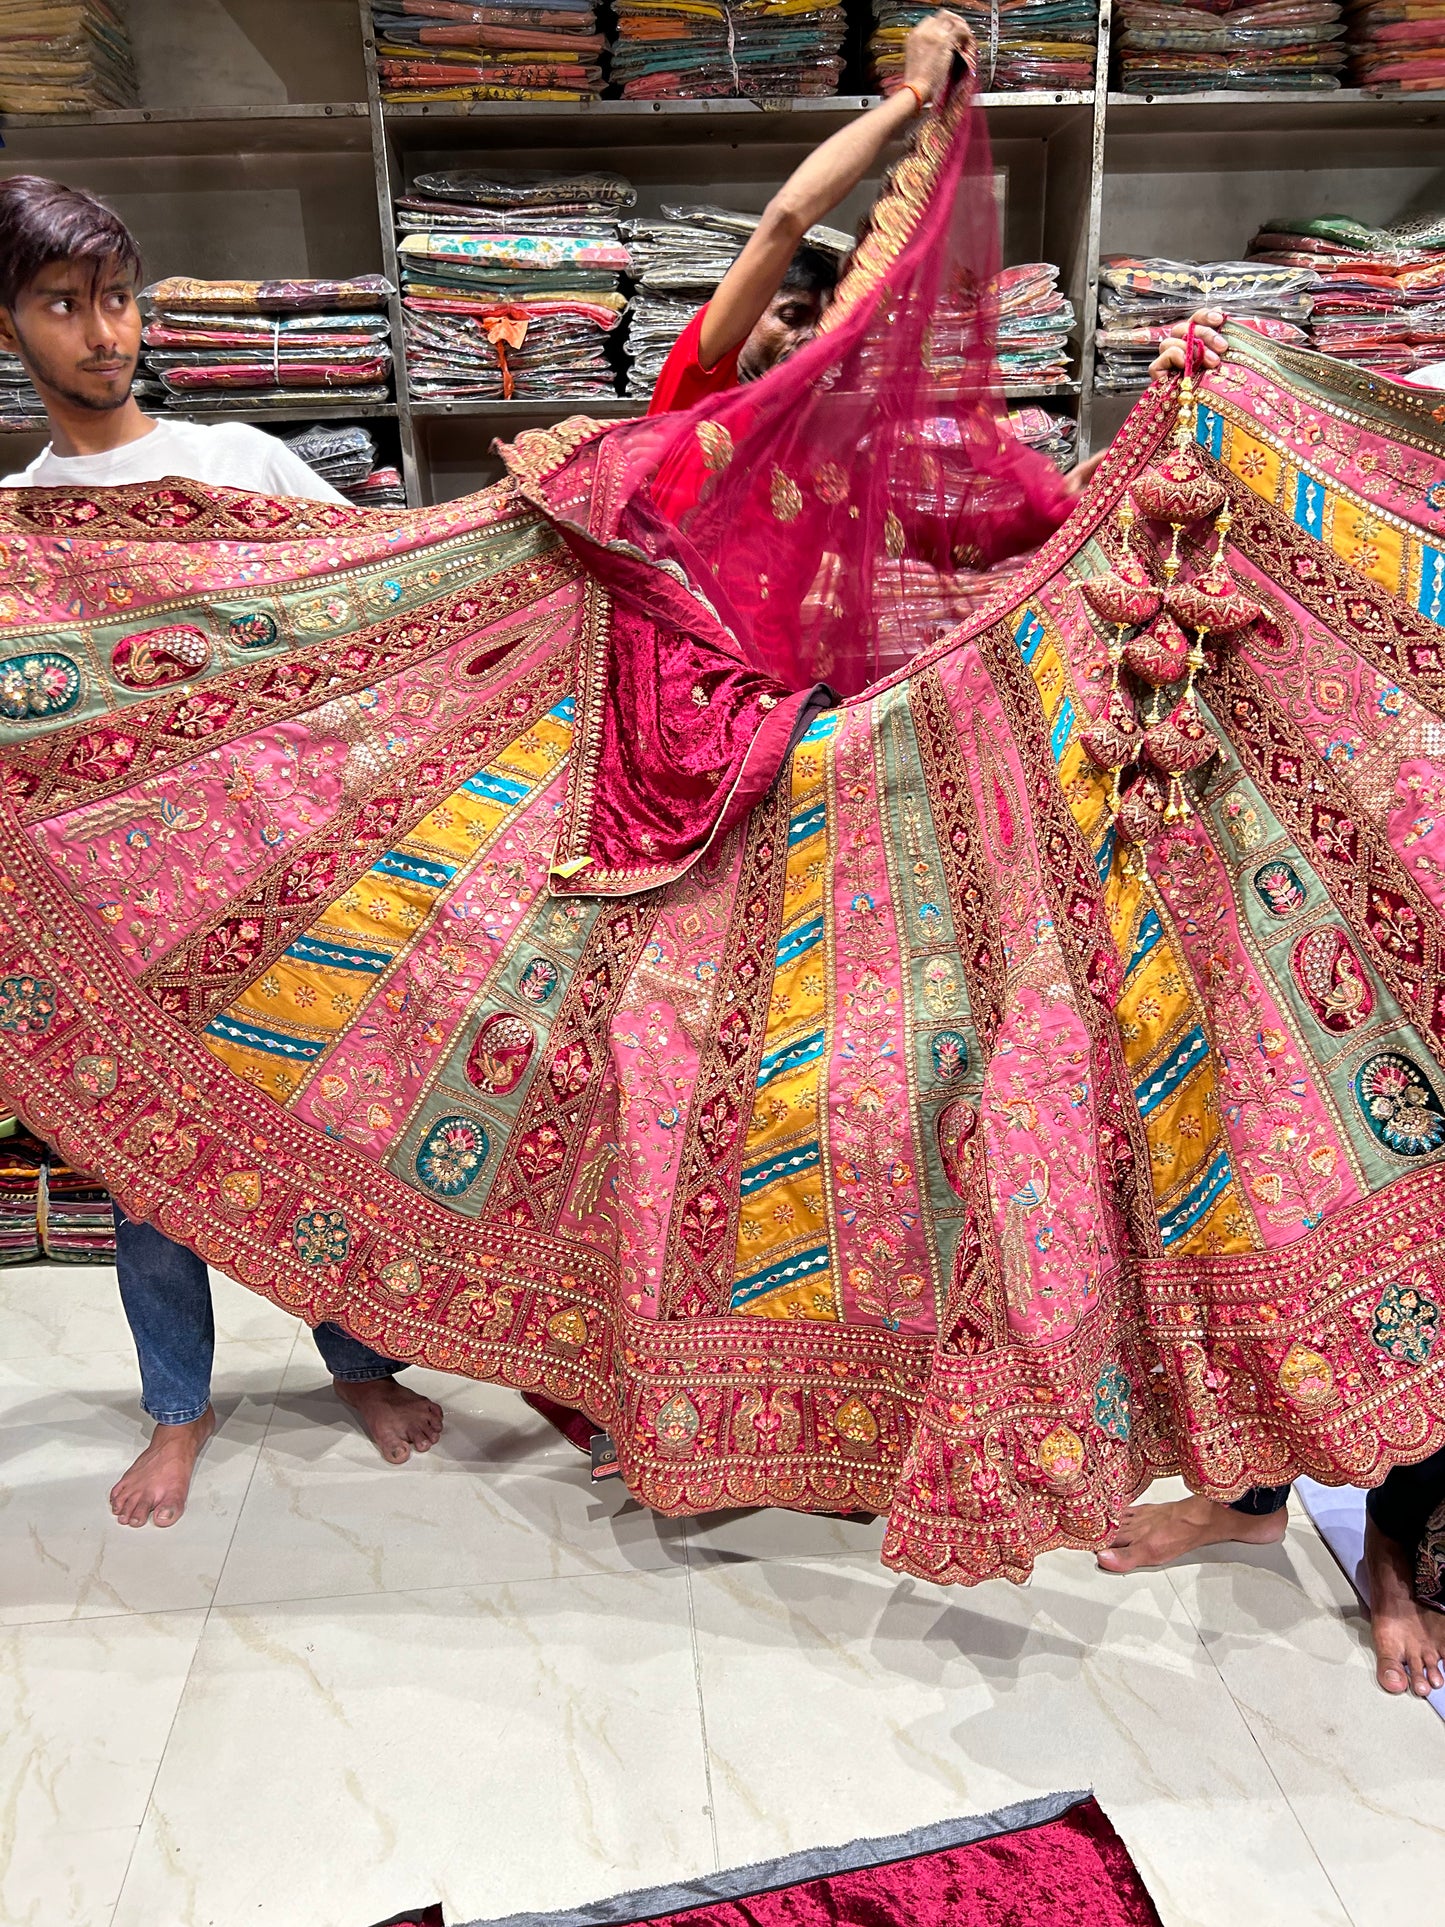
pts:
[769, 301]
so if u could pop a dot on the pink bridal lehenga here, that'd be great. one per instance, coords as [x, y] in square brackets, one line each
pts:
[967, 1101]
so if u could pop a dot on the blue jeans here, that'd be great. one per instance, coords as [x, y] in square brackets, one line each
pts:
[167, 1299]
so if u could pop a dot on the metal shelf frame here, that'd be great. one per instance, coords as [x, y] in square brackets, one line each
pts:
[232, 168]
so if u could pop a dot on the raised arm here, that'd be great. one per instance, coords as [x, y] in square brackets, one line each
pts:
[828, 176]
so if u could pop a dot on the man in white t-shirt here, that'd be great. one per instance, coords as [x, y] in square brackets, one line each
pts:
[69, 269]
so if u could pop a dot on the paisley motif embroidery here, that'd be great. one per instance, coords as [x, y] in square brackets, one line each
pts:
[501, 1053]
[27, 1004]
[1112, 1411]
[321, 1237]
[1331, 978]
[1400, 1105]
[254, 631]
[45, 684]
[568, 1329]
[957, 1123]
[855, 1424]
[678, 1424]
[1061, 1455]
[96, 1075]
[1404, 1323]
[1279, 889]
[537, 981]
[1307, 1377]
[950, 1056]
[151, 658]
[452, 1155]
[241, 1192]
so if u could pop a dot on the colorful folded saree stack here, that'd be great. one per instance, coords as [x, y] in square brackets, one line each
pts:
[1056, 436]
[77, 1222]
[1035, 321]
[1379, 299]
[64, 57]
[969, 1101]
[242, 346]
[344, 454]
[432, 50]
[1200, 46]
[512, 284]
[1022, 44]
[1397, 45]
[694, 49]
[1141, 299]
[22, 1175]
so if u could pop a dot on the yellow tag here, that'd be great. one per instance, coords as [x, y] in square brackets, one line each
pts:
[571, 869]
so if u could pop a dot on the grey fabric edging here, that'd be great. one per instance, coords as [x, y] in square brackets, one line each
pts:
[738, 1883]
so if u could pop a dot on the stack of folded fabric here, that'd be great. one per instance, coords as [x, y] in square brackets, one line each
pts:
[344, 454]
[1380, 295]
[20, 406]
[1198, 46]
[512, 284]
[1056, 436]
[439, 50]
[694, 49]
[76, 1221]
[1034, 324]
[64, 57]
[22, 1160]
[677, 262]
[1021, 43]
[243, 346]
[1397, 45]
[1140, 300]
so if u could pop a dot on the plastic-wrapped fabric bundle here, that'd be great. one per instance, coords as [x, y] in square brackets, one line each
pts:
[20, 406]
[1022, 43]
[696, 49]
[677, 262]
[512, 284]
[1397, 44]
[1380, 295]
[77, 1224]
[1056, 436]
[439, 50]
[344, 454]
[22, 1164]
[1195, 46]
[1034, 324]
[64, 57]
[242, 345]
[1140, 299]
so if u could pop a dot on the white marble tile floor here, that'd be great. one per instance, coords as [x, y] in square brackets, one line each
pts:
[339, 1688]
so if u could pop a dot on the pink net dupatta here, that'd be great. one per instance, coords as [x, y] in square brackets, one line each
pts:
[825, 512]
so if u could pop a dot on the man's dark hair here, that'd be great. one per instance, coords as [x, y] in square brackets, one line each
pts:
[42, 222]
[812, 271]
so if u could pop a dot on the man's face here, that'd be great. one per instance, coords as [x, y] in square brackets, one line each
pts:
[791, 318]
[78, 333]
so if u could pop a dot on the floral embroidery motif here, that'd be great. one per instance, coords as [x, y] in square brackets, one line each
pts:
[568, 1329]
[241, 1192]
[537, 981]
[501, 1053]
[1279, 889]
[96, 1075]
[401, 1277]
[255, 630]
[950, 1056]
[678, 1424]
[1404, 1322]
[1399, 1105]
[1061, 1455]
[855, 1424]
[1332, 979]
[321, 1237]
[1112, 1410]
[1307, 1377]
[716, 445]
[27, 1005]
[45, 684]
[452, 1155]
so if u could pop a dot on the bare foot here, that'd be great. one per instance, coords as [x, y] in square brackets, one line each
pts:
[397, 1422]
[1409, 1638]
[157, 1485]
[1153, 1535]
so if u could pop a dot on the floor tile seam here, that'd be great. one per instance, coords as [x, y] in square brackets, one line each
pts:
[251, 1475]
[102, 1619]
[450, 1585]
[1268, 1764]
[160, 1762]
[701, 1702]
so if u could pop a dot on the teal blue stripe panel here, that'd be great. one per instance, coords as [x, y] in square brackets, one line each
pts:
[798, 942]
[301, 1050]
[1150, 931]
[1063, 725]
[807, 823]
[335, 956]
[787, 1271]
[497, 789]
[788, 1057]
[415, 869]
[1167, 1079]
[1309, 505]
[1174, 1224]
[1431, 599]
[1029, 634]
[782, 1164]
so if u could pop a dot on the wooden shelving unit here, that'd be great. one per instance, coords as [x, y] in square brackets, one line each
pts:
[263, 149]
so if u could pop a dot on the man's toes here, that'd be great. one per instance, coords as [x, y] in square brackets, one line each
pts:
[398, 1451]
[166, 1515]
[1392, 1675]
